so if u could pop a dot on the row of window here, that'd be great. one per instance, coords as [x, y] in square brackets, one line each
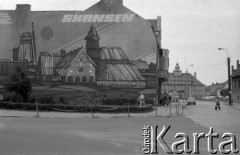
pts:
[183, 87]
[77, 79]
[181, 82]
[236, 83]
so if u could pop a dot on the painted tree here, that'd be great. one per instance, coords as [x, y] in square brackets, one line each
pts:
[152, 67]
[20, 85]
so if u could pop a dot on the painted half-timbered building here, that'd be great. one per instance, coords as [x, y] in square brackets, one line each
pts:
[76, 67]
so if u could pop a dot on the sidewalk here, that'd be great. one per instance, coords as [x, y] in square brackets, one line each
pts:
[234, 105]
[162, 111]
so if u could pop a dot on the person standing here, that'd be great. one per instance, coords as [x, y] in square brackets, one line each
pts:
[141, 99]
[170, 97]
[217, 106]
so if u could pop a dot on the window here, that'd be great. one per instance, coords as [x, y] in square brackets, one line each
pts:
[95, 54]
[63, 78]
[238, 83]
[91, 79]
[84, 79]
[80, 69]
[70, 79]
[77, 79]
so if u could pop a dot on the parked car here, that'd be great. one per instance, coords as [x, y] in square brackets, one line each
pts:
[175, 98]
[191, 100]
[226, 97]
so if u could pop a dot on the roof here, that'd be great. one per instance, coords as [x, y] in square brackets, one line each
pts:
[140, 64]
[223, 84]
[121, 72]
[92, 34]
[236, 73]
[68, 58]
[112, 53]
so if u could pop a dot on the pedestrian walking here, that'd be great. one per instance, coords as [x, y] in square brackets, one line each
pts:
[141, 99]
[170, 98]
[217, 106]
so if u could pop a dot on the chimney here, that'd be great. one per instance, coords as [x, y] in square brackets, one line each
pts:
[195, 75]
[237, 63]
[23, 7]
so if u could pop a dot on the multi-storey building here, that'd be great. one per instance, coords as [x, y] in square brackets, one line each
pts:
[183, 84]
[236, 83]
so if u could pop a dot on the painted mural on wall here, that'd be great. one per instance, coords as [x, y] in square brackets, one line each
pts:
[105, 46]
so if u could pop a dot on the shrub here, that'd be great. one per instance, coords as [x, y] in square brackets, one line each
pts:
[75, 108]
[119, 101]
[31, 100]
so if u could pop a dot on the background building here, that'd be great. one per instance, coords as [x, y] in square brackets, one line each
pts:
[215, 89]
[236, 83]
[183, 84]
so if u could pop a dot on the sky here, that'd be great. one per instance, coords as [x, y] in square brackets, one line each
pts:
[192, 30]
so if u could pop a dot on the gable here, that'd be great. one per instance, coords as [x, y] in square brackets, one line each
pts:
[82, 60]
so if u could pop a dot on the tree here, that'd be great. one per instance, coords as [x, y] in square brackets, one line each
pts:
[20, 85]
[152, 67]
[224, 92]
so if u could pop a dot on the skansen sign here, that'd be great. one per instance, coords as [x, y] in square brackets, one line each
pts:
[89, 18]
[152, 139]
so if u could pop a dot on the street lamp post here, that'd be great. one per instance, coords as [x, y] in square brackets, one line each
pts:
[229, 78]
[157, 34]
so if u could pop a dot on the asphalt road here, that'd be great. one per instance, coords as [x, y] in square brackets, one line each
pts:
[225, 120]
[108, 136]
[74, 136]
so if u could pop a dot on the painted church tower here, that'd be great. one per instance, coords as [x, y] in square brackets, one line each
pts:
[92, 46]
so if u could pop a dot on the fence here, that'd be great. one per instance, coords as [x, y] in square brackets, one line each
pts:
[45, 110]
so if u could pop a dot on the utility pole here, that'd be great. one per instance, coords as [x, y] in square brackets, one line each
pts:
[186, 85]
[229, 82]
[229, 76]
[157, 34]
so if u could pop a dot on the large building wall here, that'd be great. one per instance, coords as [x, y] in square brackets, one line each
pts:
[236, 83]
[57, 30]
